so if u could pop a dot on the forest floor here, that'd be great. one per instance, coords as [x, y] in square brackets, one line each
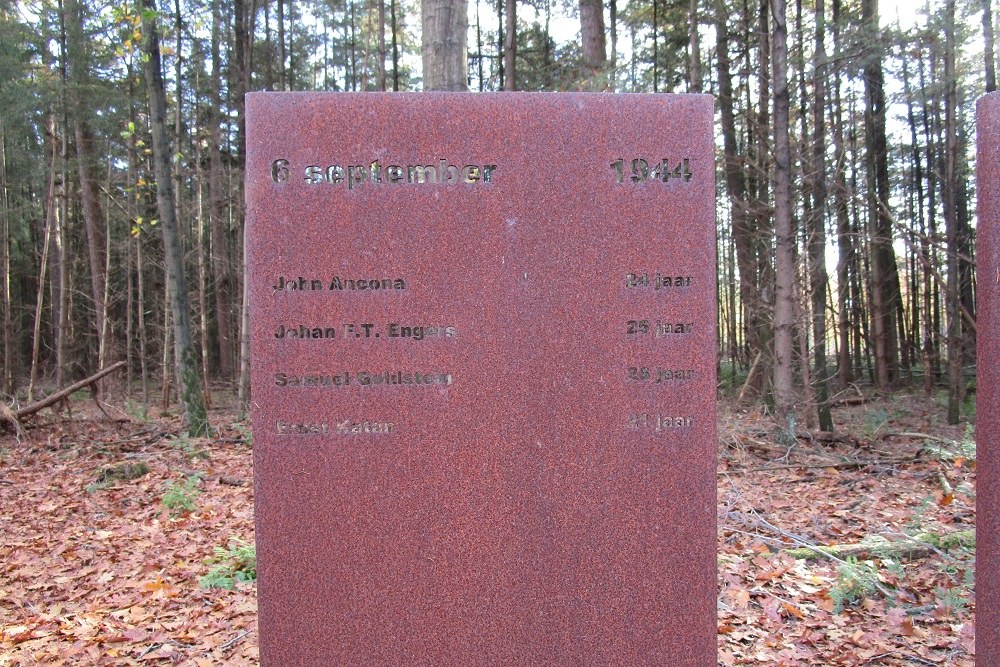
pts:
[100, 569]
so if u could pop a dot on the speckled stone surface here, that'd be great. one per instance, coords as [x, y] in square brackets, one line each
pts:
[988, 384]
[528, 477]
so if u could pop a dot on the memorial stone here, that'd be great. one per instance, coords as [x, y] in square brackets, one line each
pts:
[988, 383]
[483, 372]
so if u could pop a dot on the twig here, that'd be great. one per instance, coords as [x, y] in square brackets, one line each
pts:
[232, 642]
[839, 464]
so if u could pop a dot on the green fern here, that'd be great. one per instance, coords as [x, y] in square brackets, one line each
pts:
[855, 582]
[179, 498]
[237, 564]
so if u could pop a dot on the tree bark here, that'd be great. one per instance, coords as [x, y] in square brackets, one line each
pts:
[950, 196]
[221, 278]
[184, 352]
[241, 82]
[7, 382]
[884, 277]
[394, 27]
[93, 212]
[282, 74]
[656, 43]
[817, 226]
[735, 174]
[762, 317]
[592, 36]
[988, 54]
[445, 52]
[510, 45]
[50, 217]
[784, 232]
[923, 281]
[381, 46]
[845, 243]
[694, 47]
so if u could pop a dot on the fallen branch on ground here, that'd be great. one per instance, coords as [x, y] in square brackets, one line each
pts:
[29, 410]
[832, 464]
[920, 546]
[76, 386]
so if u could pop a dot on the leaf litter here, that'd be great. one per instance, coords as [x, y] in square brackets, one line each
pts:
[106, 574]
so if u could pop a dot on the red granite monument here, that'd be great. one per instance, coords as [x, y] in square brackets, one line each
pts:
[988, 384]
[484, 348]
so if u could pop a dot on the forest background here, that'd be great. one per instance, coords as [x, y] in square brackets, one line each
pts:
[845, 171]
[846, 197]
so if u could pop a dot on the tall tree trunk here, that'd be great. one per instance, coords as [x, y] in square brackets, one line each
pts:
[202, 273]
[93, 212]
[845, 243]
[7, 382]
[927, 344]
[241, 81]
[354, 47]
[988, 54]
[395, 44]
[61, 301]
[950, 192]
[929, 122]
[784, 232]
[694, 47]
[184, 351]
[269, 45]
[480, 56]
[762, 317]
[221, 279]
[141, 296]
[50, 216]
[817, 226]
[500, 42]
[735, 174]
[510, 44]
[381, 46]
[444, 53]
[290, 76]
[244, 51]
[872, 75]
[282, 73]
[593, 39]
[883, 272]
[656, 43]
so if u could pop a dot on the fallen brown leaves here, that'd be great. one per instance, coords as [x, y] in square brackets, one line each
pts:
[774, 610]
[109, 577]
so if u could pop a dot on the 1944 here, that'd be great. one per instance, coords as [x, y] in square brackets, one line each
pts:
[639, 170]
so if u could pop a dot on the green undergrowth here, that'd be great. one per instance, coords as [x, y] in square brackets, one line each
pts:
[180, 498]
[231, 566]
